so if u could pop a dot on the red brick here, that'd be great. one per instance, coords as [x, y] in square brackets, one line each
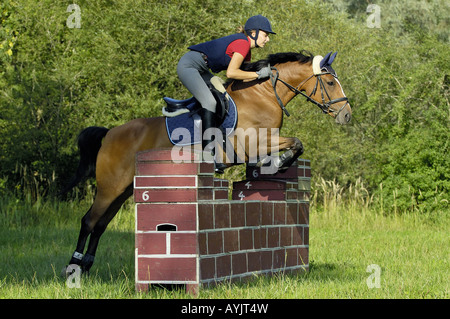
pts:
[263, 237]
[303, 212]
[182, 243]
[291, 257]
[220, 194]
[215, 242]
[202, 244]
[291, 213]
[279, 212]
[175, 269]
[151, 243]
[205, 216]
[266, 213]
[205, 181]
[257, 234]
[237, 214]
[231, 240]
[286, 236]
[223, 266]
[164, 181]
[239, 263]
[297, 236]
[266, 260]
[246, 239]
[307, 172]
[207, 268]
[273, 235]
[182, 215]
[205, 194]
[254, 261]
[279, 258]
[222, 215]
[253, 214]
[306, 235]
[206, 169]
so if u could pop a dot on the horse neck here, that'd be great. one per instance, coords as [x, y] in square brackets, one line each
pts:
[293, 73]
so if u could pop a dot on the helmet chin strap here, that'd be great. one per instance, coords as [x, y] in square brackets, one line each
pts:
[255, 38]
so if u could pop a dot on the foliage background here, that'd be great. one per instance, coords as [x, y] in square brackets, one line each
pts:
[54, 81]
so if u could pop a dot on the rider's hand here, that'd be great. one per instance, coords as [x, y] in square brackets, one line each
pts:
[265, 72]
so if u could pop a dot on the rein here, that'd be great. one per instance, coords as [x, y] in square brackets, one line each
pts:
[325, 107]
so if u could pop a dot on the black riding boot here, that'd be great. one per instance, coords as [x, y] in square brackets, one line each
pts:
[208, 121]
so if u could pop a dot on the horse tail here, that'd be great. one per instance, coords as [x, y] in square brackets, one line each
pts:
[89, 143]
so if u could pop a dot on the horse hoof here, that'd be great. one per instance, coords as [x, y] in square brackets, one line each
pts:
[219, 168]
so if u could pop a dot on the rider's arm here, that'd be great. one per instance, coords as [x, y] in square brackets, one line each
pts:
[234, 71]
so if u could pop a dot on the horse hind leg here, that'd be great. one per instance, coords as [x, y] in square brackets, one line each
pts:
[88, 222]
[100, 227]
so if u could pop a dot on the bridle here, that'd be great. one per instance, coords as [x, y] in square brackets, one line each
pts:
[324, 106]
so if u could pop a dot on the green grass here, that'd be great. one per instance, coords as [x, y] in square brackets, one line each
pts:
[37, 240]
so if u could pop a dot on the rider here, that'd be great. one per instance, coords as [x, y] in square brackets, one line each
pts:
[227, 53]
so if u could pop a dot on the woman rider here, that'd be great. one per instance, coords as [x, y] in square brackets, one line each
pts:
[227, 53]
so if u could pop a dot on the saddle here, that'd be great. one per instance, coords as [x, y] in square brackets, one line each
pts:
[183, 114]
[177, 107]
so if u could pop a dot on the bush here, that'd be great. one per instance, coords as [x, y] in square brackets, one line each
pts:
[56, 80]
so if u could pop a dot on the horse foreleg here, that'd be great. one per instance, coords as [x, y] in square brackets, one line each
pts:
[293, 149]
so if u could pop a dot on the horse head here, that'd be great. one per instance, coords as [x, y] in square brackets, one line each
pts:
[327, 91]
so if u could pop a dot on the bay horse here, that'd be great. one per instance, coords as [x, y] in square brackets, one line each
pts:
[110, 153]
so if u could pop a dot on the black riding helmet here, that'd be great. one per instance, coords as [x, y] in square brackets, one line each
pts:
[257, 23]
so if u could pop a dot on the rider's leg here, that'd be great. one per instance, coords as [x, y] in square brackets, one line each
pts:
[194, 73]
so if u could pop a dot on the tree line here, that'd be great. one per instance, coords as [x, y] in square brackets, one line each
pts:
[107, 62]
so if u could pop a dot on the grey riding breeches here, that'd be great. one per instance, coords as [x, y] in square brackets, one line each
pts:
[194, 74]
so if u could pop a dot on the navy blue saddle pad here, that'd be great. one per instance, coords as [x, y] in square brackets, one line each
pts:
[184, 129]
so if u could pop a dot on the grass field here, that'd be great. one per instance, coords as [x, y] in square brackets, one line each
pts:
[412, 251]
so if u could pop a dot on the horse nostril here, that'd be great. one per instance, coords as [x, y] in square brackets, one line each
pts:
[348, 117]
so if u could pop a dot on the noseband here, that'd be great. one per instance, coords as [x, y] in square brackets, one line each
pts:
[324, 106]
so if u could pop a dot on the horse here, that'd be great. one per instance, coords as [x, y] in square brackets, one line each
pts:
[109, 154]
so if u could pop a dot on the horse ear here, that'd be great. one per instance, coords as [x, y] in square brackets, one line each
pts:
[325, 60]
[332, 58]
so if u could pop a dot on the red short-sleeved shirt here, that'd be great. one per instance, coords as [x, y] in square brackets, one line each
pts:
[240, 46]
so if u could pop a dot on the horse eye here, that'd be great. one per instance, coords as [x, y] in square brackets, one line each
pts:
[330, 83]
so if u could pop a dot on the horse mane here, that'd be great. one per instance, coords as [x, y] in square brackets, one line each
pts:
[278, 58]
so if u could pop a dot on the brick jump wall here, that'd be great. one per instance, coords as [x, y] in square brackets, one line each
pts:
[189, 232]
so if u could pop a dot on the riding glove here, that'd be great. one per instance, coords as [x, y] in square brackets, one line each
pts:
[264, 72]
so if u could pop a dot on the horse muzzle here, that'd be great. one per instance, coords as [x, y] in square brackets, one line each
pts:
[344, 115]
